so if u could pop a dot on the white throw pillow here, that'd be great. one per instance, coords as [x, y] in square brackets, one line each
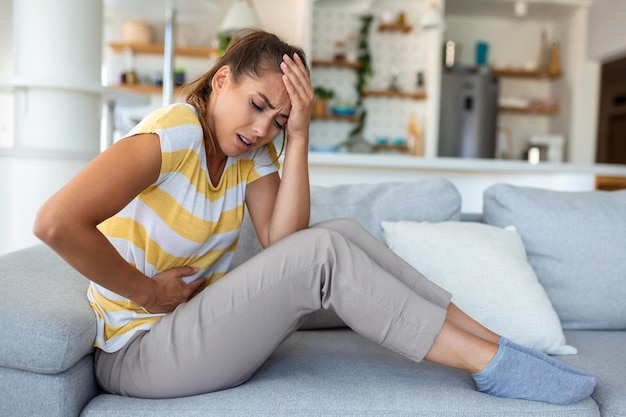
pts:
[486, 270]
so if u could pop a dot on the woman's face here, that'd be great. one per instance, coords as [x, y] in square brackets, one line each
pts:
[249, 114]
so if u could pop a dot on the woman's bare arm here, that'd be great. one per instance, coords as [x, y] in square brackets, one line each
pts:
[67, 223]
[281, 207]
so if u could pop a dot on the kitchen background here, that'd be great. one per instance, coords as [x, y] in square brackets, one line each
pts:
[57, 56]
[533, 105]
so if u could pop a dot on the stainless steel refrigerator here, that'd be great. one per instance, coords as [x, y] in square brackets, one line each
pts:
[468, 115]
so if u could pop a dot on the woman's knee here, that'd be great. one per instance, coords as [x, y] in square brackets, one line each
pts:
[338, 224]
[317, 243]
[320, 233]
[348, 228]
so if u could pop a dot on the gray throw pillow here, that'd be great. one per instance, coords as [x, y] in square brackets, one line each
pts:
[576, 243]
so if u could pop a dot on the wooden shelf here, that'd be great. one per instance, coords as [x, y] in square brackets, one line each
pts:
[335, 63]
[608, 183]
[151, 48]
[394, 27]
[414, 95]
[525, 73]
[548, 111]
[338, 118]
[521, 73]
[390, 148]
[141, 88]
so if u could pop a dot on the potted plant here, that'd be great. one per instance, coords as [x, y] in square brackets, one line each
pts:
[322, 95]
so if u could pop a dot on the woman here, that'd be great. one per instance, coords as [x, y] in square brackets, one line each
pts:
[154, 220]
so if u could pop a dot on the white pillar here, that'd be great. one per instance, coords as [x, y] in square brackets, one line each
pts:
[585, 78]
[57, 56]
[56, 88]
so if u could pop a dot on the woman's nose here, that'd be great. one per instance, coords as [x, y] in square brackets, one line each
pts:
[261, 126]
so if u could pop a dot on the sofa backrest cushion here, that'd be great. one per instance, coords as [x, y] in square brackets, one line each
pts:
[46, 323]
[429, 199]
[576, 243]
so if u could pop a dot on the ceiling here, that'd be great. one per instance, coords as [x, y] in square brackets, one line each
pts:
[537, 9]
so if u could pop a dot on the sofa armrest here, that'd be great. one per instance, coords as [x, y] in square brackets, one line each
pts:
[46, 323]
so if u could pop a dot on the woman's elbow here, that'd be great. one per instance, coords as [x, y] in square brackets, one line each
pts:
[49, 225]
[279, 235]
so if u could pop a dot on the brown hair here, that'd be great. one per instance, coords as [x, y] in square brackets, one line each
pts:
[252, 53]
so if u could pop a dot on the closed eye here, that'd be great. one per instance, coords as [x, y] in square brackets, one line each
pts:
[260, 109]
[256, 106]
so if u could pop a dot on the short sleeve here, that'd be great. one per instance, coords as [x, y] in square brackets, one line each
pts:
[180, 135]
[264, 162]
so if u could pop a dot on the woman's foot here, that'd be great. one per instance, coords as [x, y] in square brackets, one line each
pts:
[542, 356]
[515, 374]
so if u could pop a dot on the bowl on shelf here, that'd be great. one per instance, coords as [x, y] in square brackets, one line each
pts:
[137, 31]
[327, 149]
[344, 110]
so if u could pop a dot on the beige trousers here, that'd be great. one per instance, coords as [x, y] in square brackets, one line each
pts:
[223, 335]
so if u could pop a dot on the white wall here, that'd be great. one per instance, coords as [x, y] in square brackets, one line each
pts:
[289, 19]
[6, 38]
[607, 30]
[6, 70]
[27, 182]
[606, 40]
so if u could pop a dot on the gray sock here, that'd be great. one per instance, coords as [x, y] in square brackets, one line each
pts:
[542, 356]
[514, 374]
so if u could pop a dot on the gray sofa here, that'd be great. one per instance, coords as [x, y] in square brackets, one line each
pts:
[574, 241]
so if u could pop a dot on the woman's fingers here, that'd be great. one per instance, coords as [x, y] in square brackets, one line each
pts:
[298, 85]
[171, 290]
[295, 73]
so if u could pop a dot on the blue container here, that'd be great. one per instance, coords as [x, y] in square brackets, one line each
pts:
[482, 53]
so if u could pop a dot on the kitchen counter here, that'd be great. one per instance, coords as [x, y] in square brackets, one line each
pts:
[471, 176]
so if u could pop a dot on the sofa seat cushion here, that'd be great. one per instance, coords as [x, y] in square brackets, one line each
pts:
[339, 373]
[46, 323]
[602, 353]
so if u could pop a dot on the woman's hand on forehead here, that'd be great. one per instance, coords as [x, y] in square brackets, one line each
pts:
[301, 93]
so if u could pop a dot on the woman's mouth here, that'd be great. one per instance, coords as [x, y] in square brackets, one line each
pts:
[244, 140]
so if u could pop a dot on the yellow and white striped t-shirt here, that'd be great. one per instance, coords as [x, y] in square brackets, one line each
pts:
[180, 220]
